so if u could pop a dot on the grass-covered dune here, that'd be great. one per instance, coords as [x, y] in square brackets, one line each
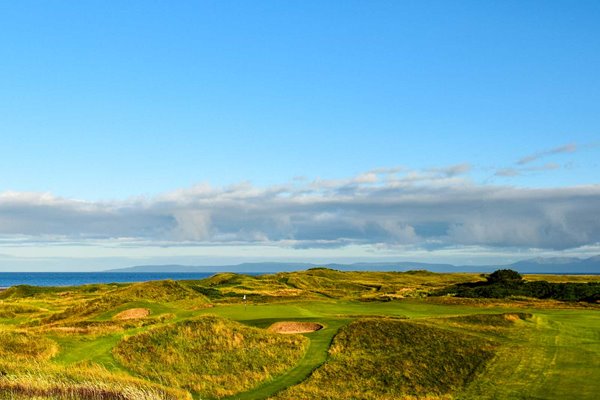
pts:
[154, 291]
[377, 359]
[16, 345]
[384, 336]
[319, 283]
[211, 356]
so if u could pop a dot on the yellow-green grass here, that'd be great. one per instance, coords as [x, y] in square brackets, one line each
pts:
[325, 283]
[211, 356]
[315, 356]
[561, 278]
[25, 346]
[552, 353]
[148, 292]
[555, 356]
[392, 359]
[81, 381]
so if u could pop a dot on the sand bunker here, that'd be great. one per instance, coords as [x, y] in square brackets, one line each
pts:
[294, 327]
[133, 313]
[512, 317]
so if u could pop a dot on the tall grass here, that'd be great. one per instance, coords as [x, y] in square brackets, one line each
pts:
[211, 356]
[25, 346]
[154, 291]
[81, 382]
[376, 359]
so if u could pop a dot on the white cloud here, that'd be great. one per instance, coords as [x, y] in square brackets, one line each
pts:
[435, 208]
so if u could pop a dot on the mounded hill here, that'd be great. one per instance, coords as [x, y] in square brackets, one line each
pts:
[317, 283]
[385, 359]
[211, 355]
[153, 291]
[26, 346]
[162, 291]
[22, 291]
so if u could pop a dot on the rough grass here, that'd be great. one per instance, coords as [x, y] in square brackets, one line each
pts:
[82, 382]
[26, 346]
[211, 355]
[494, 320]
[393, 359]
[319, 283]
[160, 291]
[154, 291]
[13, 310]
[553, 355]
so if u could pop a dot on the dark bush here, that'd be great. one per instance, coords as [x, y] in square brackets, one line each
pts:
[504, 276]
[506, 283]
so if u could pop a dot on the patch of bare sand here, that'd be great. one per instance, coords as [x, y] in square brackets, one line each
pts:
[288, 327]
[133, 313]
[511, 317]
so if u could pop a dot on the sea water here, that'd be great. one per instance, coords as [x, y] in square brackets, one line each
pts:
[8, 279]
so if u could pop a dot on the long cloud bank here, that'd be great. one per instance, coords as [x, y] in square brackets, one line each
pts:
[429, 209]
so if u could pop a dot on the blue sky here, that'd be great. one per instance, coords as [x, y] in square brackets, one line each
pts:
[117, 119]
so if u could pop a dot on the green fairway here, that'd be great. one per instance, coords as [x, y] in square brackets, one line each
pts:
[557, 356]
[314, 357]
[77, 349]
[473, 348]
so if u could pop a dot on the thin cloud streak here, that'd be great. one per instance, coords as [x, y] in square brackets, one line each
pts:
[511, 172]
[567, 148]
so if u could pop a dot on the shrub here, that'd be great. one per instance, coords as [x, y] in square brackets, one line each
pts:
[504, 276]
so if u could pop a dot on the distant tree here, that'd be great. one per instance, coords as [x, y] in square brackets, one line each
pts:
[504, 276]
[506, 283]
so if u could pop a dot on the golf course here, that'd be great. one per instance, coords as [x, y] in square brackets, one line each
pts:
[314, 334]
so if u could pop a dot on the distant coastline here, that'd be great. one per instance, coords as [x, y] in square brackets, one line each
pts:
[562, 265]
[181, 272]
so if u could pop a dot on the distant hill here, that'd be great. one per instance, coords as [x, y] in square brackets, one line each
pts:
[559, 265]
[553, 265]
[244, 267]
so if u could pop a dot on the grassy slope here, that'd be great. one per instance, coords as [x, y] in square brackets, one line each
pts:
[315, 355]
[81, 381]
[558, 357]
[211, 356]
[386, 358]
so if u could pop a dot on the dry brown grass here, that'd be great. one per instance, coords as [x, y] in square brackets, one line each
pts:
[81, 382]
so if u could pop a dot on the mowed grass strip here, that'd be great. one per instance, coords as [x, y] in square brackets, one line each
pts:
[555, 356]
[375, 359]
[210, 356]
[315, 356]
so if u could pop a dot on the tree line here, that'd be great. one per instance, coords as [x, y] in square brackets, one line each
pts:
[508, 283]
